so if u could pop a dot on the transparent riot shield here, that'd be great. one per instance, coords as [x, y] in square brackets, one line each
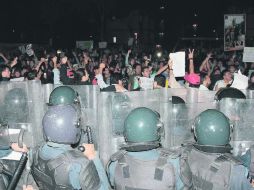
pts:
[88, 95]
[22, 109]
[177, 125]
[193, 95]
[249, 94]
[240, 112]
[179, 120]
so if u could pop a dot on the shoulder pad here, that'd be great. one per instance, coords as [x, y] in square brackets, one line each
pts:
[228, 157]
[118, 155]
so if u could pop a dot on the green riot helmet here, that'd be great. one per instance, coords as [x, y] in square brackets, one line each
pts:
[16, 106]
[64, 95]
[142, 130]
[212, 131]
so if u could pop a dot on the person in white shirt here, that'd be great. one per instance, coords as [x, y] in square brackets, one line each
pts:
[227, 80]
[116, 82]
[146, 82]
[205, 82]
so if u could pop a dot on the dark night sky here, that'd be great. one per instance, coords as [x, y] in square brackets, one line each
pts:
[79, 18]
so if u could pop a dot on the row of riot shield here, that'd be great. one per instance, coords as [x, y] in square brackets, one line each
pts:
[23, 105]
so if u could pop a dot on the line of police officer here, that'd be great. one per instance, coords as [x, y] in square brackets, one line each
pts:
[141, 163]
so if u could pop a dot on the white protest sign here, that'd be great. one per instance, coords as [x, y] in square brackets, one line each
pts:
[248, 54]
[178, 59]
[240, 81]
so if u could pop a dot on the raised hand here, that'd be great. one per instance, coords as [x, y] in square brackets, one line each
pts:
[16, 147]
[191, 53]
[209, 55]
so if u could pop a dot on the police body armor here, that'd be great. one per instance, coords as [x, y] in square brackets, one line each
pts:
[53, 174]
[209, 171]
[251, 170]
[135, 174]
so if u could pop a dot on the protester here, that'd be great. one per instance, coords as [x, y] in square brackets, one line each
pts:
[138, 70]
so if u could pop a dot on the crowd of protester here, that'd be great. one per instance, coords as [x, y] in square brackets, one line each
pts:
[125, 70]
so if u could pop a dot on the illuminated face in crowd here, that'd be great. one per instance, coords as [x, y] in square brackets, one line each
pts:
[138, 70]
[227, 76]
[64, 60]
[146, 72]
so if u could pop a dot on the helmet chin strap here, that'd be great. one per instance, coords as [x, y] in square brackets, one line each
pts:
[213, 149]
[138, 147]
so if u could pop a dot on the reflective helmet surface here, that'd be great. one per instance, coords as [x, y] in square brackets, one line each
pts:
[212, 128]
[63, 95]
[16, 105]
[141, 125]
[61, 125]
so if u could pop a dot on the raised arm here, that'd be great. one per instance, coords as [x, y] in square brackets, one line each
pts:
[172, 80]
[127, 58]
[4, 58]
[161, 70]
[76, 58]
[191, 62]
[205, 64]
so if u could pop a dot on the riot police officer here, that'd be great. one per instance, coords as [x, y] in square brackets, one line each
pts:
[142, 163]
[56, 165]
[208, 163]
